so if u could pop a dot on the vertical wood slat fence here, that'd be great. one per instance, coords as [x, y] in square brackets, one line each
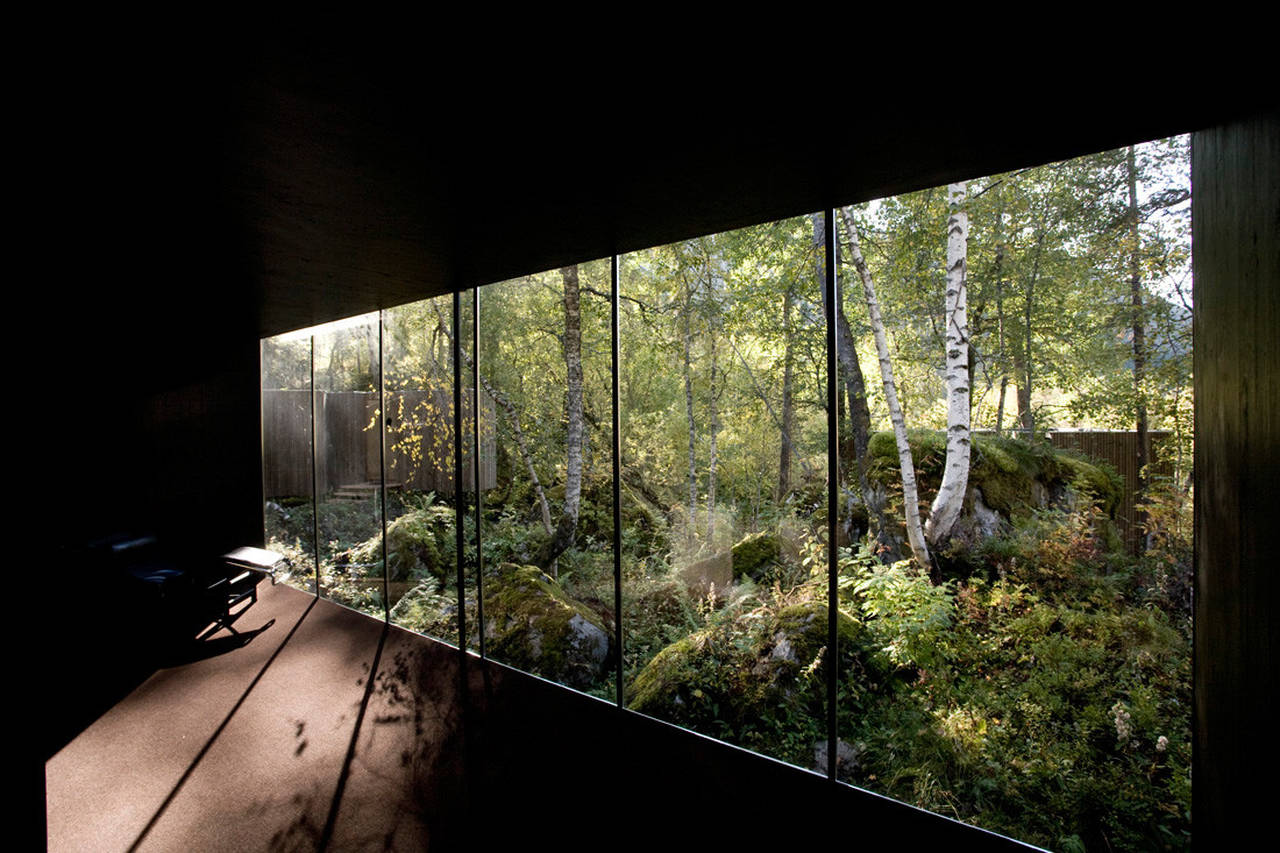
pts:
[1120, 450]
[419, 441]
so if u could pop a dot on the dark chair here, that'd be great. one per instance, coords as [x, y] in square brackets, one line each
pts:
[225, 592]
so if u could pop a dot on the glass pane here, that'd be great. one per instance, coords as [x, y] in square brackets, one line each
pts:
[724, 483]
[470, 495]
[421, 496]
[348, 439]
[548, 518]
[287, 479]
[1031, 673]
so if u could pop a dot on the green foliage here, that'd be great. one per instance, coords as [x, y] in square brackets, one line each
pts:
[754, 674]
[1046, 718]
[1168, 570]
[1063, 555]
[908, 616]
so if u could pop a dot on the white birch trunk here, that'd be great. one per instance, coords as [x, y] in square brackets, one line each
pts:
[573, 373]
[711, 465]
[949, 501]
[910, 495]
[688, 408]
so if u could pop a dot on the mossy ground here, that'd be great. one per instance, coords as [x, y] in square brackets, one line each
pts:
[1042, 692]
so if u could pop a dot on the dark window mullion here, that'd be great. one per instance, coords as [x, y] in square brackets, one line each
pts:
[475, 456]
[833, 485]
[460, 536]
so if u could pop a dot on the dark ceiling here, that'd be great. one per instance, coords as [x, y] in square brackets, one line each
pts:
[236, 189]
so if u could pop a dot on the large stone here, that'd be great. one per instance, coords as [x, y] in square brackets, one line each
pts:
[1008, 479]
[757, 679]
[710, 573]
[419, 546]
[531, 624]
[755, 555]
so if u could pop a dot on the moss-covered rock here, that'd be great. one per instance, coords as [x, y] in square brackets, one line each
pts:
[419, 546]
[429, 611]
[1008, 479]
[531, 624]
[710, 573]
[756, 678]
[755, 555]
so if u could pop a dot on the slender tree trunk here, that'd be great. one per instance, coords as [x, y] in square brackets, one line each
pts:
[788, 406]
[859, 414]
[331, 372]
[688, 408]
[949, 501]
[910, 497]
[1139, 344]
[1025, 414]
[998, 273]
[513, 418]
[567, 528]
[371, 347]
[711, 464]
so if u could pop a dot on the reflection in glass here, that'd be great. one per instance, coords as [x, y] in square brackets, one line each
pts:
[349, 459]
[547, 524]
[724, 480]
[420, 478]
[287, 476]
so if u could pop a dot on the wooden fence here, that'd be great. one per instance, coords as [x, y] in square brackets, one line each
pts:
[419, 450]
[1120, 449]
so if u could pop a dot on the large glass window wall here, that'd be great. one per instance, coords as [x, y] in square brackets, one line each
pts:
[702, 481]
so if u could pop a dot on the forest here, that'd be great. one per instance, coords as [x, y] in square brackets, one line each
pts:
[1013, 617]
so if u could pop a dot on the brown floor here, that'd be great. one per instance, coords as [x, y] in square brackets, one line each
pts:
[284, 744]
[245, 750]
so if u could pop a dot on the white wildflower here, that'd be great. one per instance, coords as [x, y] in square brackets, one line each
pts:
[1124, 722]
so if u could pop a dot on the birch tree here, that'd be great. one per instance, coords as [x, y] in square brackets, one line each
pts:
[687, 366]
[513, 419]
[855, 387]
[567, 528]
[955, 478]
[910, 495]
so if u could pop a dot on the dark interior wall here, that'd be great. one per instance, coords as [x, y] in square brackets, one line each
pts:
[1236, 239]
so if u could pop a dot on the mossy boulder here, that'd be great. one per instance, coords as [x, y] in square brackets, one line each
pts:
[428, 610]
[761, 557]
[1008, 479]
[710, 573]
[532, 624]
[419, 546]
[756, 678]
[755, 555]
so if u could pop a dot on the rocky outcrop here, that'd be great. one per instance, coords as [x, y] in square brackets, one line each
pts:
[419, 546]
[756, 555]
[1008, 478]
[531, 624]
[756, 678]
